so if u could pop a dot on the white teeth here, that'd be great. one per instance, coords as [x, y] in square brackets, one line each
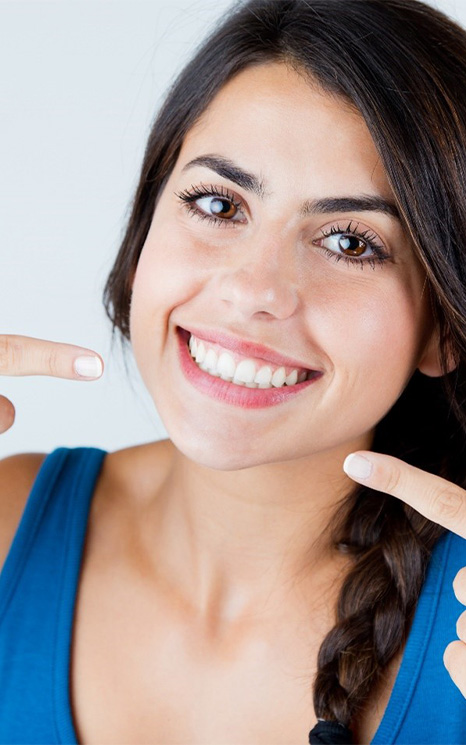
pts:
[200, 353]
[279, 377]
[210, 361]
[264, 376]
[226, 366]
[244, 373]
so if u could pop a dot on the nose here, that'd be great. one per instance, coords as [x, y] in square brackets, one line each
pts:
[262, 279]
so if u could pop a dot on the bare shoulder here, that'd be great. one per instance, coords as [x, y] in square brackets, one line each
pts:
[17, 476]
[128, 481]
[131, 475]
[128, 476]
[141, 466]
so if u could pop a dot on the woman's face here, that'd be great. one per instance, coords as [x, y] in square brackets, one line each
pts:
[304, 255]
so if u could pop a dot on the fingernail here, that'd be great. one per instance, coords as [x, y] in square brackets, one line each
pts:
[88, 367]
[357, 466]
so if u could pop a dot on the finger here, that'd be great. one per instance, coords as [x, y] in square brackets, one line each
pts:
[435, 498]
[459, 587]
[461, 627]
[24, 355]
[7, 414]
[454, 659]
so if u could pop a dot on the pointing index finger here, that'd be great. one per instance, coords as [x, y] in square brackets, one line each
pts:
[435, 498]
[25, 355]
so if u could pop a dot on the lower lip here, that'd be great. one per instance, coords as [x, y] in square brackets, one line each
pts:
[230, 393]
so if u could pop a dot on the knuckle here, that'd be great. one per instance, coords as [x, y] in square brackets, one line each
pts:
[454, 659]
[7, 414]
[10, 354]
[448, 656]
[393, 480]
[446, 504]
[53, 362]
[461, 627]
[459, 585]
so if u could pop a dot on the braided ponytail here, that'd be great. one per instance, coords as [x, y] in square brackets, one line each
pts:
[391, 545]
[376, 603]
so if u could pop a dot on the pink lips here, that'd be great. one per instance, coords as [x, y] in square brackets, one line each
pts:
[246, 348]
[230, 393]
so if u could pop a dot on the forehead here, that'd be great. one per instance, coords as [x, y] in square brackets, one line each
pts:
[272, 118]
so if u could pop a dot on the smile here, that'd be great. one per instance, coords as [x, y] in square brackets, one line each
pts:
[252, 373]
[233, 379]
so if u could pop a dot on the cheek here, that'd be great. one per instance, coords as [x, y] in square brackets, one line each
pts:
[160, 273]
[165, 278]
[381, 331]
[374, 340]
[153, 287]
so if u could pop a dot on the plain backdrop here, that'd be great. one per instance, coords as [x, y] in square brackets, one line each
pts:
[80, 85]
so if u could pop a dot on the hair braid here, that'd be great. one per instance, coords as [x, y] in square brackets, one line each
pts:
[376, 602]
[391, 545]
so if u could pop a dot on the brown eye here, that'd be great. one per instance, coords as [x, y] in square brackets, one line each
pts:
[346, 244]
[351, 245]
[217, 206]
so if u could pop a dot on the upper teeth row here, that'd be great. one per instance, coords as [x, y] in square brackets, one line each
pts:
[224, 366]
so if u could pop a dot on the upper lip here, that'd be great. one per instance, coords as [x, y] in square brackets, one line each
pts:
[246, 348]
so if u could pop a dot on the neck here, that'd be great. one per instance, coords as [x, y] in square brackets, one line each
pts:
[239, 542]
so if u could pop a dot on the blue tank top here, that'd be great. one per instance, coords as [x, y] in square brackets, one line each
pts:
[37, 597]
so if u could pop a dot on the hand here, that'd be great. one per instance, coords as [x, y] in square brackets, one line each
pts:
[438, 500]
[23, 355]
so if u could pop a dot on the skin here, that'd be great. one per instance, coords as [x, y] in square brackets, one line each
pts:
[241, 512]
[264, 279]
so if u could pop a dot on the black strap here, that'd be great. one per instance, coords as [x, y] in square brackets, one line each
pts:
[330, 733]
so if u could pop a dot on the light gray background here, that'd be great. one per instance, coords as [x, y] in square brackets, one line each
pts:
[80, 84]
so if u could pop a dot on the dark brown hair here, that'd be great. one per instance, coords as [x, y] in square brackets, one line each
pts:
[402, 64]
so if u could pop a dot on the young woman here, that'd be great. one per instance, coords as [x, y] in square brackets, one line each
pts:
[292, 282]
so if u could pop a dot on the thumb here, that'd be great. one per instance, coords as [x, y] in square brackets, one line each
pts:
[435, 498]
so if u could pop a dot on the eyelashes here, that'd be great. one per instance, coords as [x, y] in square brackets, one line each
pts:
[333, 241]
[221, 195]
[356, 242]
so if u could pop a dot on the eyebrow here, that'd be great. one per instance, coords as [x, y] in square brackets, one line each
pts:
[250, 182]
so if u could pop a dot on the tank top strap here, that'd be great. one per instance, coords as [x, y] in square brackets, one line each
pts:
[38, 587]
[425, 705]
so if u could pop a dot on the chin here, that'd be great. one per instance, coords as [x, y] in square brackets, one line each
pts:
[219, 455]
